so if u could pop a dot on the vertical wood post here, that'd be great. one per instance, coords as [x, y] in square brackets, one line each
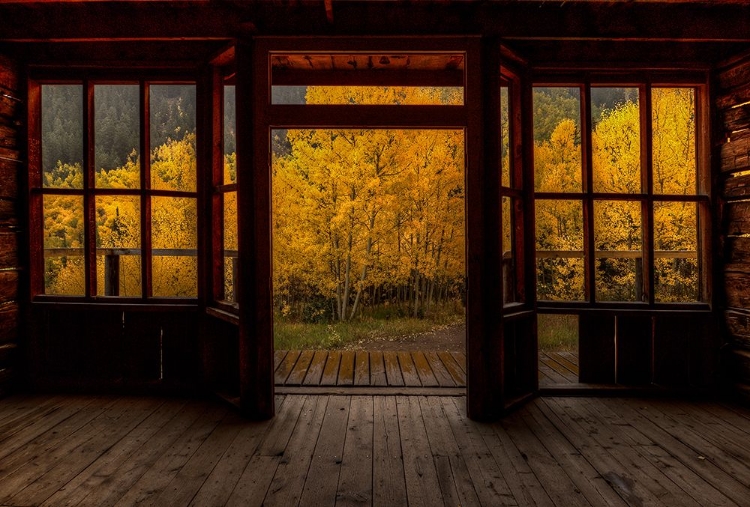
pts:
[254, 233]
[111, 274]
[484, 347]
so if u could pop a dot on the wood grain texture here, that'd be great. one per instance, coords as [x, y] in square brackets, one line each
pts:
[372, 450]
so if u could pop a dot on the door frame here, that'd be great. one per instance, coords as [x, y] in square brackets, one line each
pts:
[479, 117]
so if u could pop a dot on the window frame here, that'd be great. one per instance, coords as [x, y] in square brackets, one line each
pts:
[645, 81]
[222, 76]
[88, 79]
[516, 284]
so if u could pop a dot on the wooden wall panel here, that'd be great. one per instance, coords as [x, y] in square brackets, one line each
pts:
[733, 112]
[596, 335]
[75, 348]
[10, 266]
[634, 337]
[221, 365]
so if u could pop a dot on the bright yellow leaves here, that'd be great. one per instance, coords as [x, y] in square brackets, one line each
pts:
[384, 95]
[173, 165]
[619, 240]
[557, 162]
[673, 120]
[364, 217]
[118, 227]
[63, 244]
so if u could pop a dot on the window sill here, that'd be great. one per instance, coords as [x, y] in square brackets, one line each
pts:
[224, 315]
[112, 304]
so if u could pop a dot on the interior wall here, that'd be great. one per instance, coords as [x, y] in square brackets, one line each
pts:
[10, 264]
[733, 115]
[113, 348]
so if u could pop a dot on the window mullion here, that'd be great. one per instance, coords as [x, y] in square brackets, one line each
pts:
[587, 180]
[146, 288]
[647, 206]
[89, 201]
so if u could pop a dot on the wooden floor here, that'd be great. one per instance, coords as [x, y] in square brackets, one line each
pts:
[371, 450]
[558, 368]
[370, 368]
[427, 369]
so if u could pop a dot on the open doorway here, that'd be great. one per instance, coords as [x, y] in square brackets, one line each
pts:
[368, 246]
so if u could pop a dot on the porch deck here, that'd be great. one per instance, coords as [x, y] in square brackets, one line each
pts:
[418, 369]
[371, 450]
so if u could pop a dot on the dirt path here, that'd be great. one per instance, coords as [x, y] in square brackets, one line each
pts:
[450, 338]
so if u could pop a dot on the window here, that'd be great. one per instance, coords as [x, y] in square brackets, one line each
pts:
[113, 218]
[620, 193]
[511, 181]
[225, 194]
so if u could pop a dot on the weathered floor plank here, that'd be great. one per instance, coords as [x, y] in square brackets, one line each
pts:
[374, 450]
[422, 485]
[315, 370]
[389, 481]
[401, 368]
[362, 368]
[331, 370]
[346, 370]
[322, 479]
[355, 479]
[298, 373]
[377, 369]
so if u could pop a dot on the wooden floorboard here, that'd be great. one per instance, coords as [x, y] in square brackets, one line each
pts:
[342, 450]
[423, 369]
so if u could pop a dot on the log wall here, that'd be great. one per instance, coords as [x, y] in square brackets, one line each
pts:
[10, 264]
[733, 119]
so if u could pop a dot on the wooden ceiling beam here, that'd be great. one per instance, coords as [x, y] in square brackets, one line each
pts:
[142, 54]
[510, 20]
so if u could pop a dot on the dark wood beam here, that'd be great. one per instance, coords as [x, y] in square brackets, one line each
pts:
[512, 20]
[127, 54]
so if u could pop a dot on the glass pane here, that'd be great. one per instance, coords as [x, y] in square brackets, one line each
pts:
[62, 136]
[619, 254]
[673, 124]
[559, 244]
[64, 269]
[505, 137]
[367, 222]
[230, 136]
[117, 136]
[616, 140]
[173, 162]
[369, 95]
[118, 245]
[230, 245]
[557, 139]
[676, 252]
[510, 284]
[174, 243]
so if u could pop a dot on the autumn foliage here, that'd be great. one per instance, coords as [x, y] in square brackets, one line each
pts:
[373, 218]
[617, 170]
[367, 217]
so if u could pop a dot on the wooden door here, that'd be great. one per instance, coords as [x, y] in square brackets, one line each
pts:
[501, 320]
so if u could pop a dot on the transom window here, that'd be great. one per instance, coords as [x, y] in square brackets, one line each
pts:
[114, 189]
[621, 193]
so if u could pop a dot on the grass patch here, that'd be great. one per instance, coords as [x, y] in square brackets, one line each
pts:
[557, 332]
[296, 335]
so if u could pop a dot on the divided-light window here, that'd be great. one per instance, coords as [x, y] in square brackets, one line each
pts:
[620, 194]
[114, 191]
